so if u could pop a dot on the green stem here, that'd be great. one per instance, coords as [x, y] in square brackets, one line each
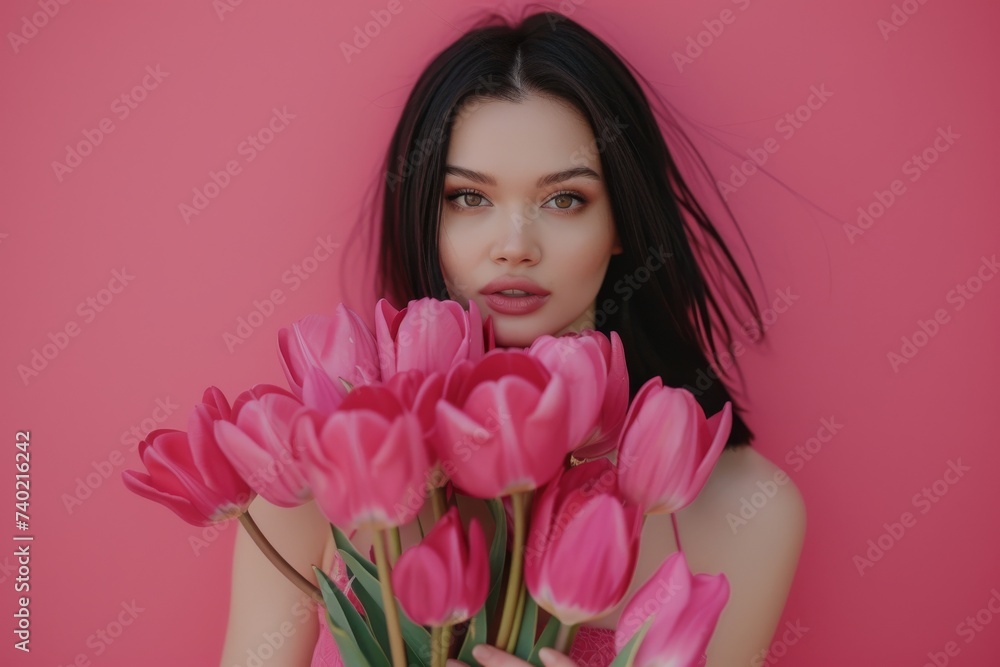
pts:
[518, 617]
[516, 564]
[445, 644]
[279, 562]
[564, 637]
[438, 501]
[435, 646]
[389, 601]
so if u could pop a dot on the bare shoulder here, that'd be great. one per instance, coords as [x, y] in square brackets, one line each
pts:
[751, 490]
[749, 523]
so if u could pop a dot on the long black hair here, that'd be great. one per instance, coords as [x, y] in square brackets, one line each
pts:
[661, 309]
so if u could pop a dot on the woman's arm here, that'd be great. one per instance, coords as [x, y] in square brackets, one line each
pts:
[268, 614]
[749, 522]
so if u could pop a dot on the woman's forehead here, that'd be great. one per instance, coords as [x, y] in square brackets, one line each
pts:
[524, 141]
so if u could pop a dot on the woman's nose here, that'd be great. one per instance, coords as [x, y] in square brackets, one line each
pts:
[516, 241]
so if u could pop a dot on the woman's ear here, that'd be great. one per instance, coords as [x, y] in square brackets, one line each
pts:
[617, 249]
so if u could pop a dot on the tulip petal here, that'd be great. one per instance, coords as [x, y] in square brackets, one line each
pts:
[717, 428]
[609, 556]
[320, 391]
[142, 485]
[205, 500]
[691, 629]
[665, 593]
[420, 578]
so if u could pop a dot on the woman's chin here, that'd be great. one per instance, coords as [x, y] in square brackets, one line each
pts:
[507, 338]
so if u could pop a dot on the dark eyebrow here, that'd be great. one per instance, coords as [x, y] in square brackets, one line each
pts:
[544, 181]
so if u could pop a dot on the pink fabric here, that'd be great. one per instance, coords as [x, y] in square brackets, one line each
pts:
[592, 646]
[325, 654]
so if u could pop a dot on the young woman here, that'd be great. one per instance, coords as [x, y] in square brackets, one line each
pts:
[529, 158]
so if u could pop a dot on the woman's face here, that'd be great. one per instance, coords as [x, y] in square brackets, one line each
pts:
[506, 212]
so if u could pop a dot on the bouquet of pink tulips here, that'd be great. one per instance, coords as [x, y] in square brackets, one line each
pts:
[426, 408]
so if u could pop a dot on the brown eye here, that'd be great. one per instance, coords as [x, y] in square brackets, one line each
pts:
[465, 200]
[563, 201]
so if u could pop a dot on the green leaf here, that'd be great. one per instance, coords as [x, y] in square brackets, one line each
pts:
[343, 542]
[627, 655]
[546, 639]
[373, 610]
[529, 625]
[354, 639]
[474, 635]
[498, 553]
[415, 636]
[371, 603]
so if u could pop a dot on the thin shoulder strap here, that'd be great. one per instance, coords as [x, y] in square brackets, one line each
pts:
[677, 535]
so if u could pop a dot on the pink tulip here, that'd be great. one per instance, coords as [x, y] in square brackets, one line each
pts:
[187, 472]
[259, 446]
[502, 424]
[419, 392]
[573, 516]
[214, 407]
[367, 463]
[322, 392]
[201, 421]
[598, 378]
[668, 449]
[686, 610]
[596, 475]
[445, 578]
[428, 335]
[616, 398]
[341, 346]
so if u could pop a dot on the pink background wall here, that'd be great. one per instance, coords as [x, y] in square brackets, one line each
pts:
[160, 339]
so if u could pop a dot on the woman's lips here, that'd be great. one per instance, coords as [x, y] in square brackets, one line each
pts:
[515, 305]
